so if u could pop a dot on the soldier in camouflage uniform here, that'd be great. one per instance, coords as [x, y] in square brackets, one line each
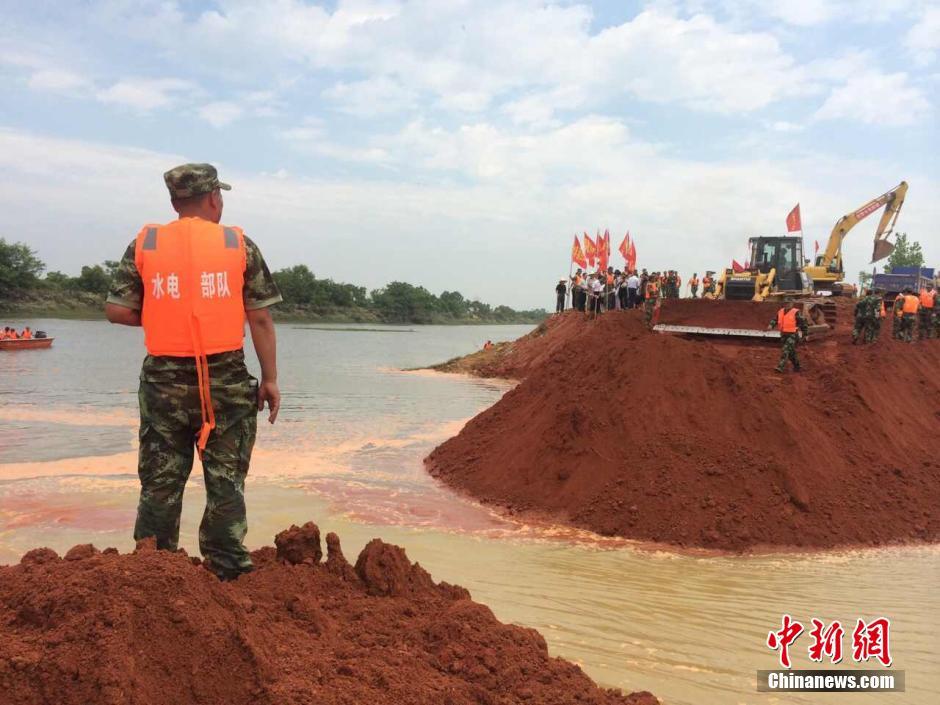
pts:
[170, 414]
[867, 309]
[927, 314]
[879, 308]
[790, 340]
[896, 316]
[651, 298]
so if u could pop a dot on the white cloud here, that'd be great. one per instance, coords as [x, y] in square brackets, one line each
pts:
[145, 95]
[876, 98]
[528, 193]
[58, 81]
[923, 39]
[380, 95]
[221, 113]
[811, 13]
[466, 56]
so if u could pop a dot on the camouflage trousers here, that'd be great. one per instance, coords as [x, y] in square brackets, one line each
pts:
[169, 423]
[865, 328]
[694, 292]
[649, 306]
[926, 327]
[788, 352]
[906, 330]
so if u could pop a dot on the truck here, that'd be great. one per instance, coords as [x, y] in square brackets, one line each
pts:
[901, 278]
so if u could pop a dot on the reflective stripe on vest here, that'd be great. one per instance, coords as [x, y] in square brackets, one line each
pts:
[911, 303]
[926, 298]
[193, 274]
[786, 320]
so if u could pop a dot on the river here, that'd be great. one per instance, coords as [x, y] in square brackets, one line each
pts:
[346, 453]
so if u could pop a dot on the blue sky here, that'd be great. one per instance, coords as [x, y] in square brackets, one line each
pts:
[460, 145]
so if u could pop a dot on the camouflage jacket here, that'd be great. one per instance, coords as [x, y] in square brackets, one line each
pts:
[260, 291]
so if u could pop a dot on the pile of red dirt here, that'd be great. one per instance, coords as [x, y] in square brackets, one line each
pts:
[153, 628]
[699, 443]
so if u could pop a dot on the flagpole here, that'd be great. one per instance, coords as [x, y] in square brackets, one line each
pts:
[570, 295]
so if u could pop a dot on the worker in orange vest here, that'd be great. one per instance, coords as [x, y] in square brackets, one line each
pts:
[27, 334]
[928, 310]
[192, 284]
[693, 285]
[791, 323]
[910, 304]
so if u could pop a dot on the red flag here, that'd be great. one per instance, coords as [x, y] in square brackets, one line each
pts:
[577, 254]
[625, 247]
[736, 266]
[590, 249]
[794, 222]
[817, 247]
[603, 255]
[631, 260]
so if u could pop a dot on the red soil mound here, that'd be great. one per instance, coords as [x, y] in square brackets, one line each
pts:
[699, 443]
[152, 628]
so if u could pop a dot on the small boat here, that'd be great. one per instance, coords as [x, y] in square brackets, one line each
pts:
[27, 344]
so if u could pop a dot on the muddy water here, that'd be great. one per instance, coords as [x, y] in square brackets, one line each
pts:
[347, 454]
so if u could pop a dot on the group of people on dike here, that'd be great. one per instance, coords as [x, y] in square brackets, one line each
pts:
[9, 333]
[614, 289]
[909, 310]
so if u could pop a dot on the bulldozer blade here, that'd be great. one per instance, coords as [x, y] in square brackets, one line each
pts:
[883, 249]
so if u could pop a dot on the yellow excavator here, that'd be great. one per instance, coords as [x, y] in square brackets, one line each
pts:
[827, 272]
[777, 270]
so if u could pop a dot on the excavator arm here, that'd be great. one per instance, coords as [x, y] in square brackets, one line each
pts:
[831, 259]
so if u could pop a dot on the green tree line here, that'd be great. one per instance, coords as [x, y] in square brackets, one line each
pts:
[398, 302]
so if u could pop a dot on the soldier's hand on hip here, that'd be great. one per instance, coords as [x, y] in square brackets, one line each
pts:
[269, 392]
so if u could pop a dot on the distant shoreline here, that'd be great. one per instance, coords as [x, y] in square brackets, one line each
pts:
[78, 310]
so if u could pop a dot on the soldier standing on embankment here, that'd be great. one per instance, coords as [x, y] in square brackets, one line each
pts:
[788, 321]
[191, 284]
[909, 307]
[928, 310]
[650, 299]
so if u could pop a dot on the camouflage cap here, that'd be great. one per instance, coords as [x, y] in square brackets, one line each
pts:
[188, 180]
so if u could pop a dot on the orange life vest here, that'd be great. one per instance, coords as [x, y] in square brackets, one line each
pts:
[610, 280]
[193, 273]
[652, 289]
[707, 281]
[911, 303]
[786, 320]
[883, 311]
[26, 335]
[926, 298]
[693, 282]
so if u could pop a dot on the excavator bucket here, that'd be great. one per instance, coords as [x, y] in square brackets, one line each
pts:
[883, 249]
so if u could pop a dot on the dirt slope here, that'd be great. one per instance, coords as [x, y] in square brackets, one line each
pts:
[152, 628]
[699, 443]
